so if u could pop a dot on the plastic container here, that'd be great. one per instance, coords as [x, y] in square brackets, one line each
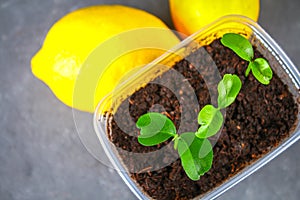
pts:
[238, 24]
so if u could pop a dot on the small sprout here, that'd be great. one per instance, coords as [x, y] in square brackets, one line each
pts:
[196, 154]
[194, 149]
[242, 47]
[210, 118]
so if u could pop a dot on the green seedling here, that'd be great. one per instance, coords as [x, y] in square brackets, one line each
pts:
[210, 118]
[195, 153]
[194, 149]
[260, 68]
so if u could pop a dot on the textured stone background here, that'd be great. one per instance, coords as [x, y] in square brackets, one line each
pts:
[41, 154]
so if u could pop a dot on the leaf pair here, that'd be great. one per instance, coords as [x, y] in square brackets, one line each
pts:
[243, 48]
[196, 154]
[211, 118]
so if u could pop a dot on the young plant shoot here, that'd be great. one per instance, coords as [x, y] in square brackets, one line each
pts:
[194, 149]
[260, 68]
[211, 118]
[196, 154]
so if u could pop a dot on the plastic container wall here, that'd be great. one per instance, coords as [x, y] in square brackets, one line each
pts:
[284, 68]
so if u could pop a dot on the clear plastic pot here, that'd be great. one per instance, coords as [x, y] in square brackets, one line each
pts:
[283, 67]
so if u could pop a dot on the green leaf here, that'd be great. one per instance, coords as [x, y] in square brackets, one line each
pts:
[228, 88]
[211, 120]
[261, 70]
[239, 44]
[196, 155]
[155, 129]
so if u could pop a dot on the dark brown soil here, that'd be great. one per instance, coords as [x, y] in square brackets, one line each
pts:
[260, 118]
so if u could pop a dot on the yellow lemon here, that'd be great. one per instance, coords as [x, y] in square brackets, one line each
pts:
[190, 15]
[74, 37]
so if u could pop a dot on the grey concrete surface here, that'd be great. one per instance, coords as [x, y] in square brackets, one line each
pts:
[41, 154]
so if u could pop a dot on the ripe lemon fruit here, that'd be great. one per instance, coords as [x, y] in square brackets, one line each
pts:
[191, 15]
[73, 38]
